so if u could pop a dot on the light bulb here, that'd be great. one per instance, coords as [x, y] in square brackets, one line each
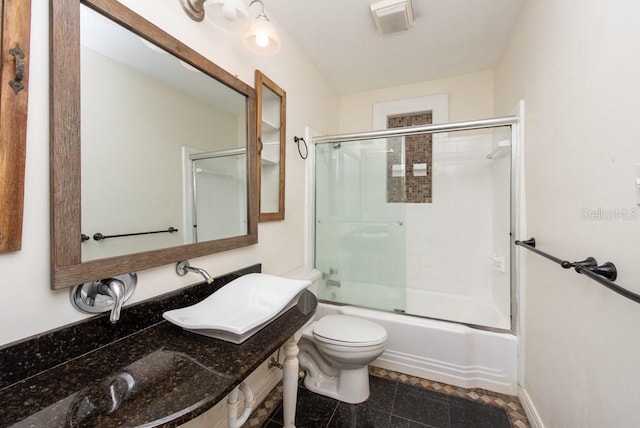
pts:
[262, 40]
[229, 12]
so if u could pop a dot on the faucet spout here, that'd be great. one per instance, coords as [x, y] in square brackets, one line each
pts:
[184, 267]
[333, 283]
[202, 272]
[115, 288]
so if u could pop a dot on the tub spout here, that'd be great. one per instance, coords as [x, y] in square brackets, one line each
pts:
[184, 267]
[333, 283]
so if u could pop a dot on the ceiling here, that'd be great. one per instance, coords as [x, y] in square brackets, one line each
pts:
[449, 37]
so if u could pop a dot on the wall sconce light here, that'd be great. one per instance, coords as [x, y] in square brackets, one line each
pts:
[229, 14]
[260, 35]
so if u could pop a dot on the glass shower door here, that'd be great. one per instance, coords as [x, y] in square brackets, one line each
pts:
[419, 224]
[219, 196]
[359, 230]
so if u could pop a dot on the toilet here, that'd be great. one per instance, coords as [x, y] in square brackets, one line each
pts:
[335, 351]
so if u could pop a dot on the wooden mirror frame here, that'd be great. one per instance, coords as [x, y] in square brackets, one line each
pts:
[16, 25]
[67, 268]
[260, 81]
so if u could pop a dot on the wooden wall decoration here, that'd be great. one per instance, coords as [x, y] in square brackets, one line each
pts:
[15, 31]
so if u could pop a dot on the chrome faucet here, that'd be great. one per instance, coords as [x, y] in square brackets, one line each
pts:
[115, 288]
[104, 295]
[184, 267]
[333, 283]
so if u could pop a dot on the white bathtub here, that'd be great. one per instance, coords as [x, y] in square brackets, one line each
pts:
[466, 309]
[442, 351]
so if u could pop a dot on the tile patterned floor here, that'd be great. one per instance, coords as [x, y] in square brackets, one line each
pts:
[397, 401]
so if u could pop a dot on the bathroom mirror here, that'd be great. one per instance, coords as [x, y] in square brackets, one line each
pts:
[15, 24]
[271, 130]
[153, 147]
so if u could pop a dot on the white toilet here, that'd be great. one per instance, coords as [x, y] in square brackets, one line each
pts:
[335, 351]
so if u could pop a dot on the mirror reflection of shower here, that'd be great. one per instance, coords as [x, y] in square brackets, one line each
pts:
[215, 194]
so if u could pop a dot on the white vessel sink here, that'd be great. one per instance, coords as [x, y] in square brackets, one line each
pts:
[241, 308]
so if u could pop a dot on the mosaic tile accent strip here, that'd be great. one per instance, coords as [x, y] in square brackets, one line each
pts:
[402, 184]
[509, 403]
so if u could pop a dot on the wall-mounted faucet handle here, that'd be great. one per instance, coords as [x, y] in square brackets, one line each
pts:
[184, 267]
[104, 295]
[115, 288]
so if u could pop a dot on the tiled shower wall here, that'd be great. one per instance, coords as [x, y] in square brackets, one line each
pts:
[449, 241]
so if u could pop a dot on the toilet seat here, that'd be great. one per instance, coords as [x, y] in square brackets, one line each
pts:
[348, 331]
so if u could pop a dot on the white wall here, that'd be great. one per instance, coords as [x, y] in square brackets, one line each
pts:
[470, 97]
[576, 65]
[28, 306]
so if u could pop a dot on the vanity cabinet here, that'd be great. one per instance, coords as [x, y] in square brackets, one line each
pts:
[142, 371]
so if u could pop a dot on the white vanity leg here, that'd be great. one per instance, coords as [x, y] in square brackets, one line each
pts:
[290, 382]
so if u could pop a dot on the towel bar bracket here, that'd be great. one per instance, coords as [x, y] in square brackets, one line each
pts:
[604, 274]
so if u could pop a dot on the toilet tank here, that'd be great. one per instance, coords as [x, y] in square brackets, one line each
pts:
[309, 274]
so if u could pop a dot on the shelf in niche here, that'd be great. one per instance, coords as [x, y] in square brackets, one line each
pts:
[270, 154]
[269, 126]
[268, 162]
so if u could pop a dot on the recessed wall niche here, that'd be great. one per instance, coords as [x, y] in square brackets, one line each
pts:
[409, 161]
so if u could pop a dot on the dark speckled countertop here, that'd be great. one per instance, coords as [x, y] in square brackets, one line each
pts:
[66, 378]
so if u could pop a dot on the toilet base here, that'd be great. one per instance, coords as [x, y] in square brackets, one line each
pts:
[350, 386]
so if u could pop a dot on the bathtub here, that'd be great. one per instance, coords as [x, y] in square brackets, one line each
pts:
[442, 351]
[466, 309]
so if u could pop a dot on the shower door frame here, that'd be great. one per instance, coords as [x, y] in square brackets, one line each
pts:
[514, 228]
[190, 155]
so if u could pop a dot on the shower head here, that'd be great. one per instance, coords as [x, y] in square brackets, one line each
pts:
[336, 146]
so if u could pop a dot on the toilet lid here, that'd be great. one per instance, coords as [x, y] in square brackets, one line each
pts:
[345, 329]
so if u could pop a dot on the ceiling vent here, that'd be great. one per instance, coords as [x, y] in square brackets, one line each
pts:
[392, 16]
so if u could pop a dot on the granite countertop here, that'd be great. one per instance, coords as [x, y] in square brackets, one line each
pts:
[177, 374]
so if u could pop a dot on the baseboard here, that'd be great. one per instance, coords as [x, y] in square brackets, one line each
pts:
[532, 414]
[466, 376]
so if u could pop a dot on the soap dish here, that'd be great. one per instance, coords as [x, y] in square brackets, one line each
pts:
[241, 308]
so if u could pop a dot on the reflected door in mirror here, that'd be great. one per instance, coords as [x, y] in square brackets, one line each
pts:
[219, 197]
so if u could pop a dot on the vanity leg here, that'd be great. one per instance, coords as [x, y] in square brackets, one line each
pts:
[290, 382]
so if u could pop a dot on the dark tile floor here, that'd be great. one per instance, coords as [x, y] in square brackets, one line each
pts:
[392, 404]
